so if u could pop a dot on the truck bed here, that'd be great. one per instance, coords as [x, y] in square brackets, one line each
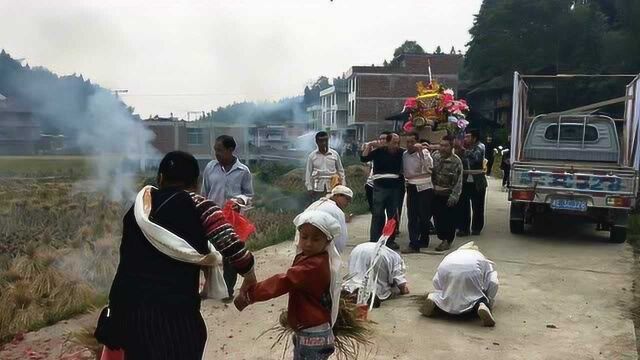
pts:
[577, 165]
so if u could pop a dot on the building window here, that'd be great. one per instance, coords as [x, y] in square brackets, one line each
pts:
[194, 136]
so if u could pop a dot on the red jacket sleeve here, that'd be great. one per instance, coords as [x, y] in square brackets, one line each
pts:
[281, 284]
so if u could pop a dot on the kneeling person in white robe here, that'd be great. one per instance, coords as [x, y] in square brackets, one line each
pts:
[391, 272]
[465, 282]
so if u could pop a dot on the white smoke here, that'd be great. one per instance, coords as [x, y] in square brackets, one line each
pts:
[118, 144]
[95, 123]
[307, 142]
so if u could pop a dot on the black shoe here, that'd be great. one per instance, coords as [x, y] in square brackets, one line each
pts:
[393, 246]
[444, 246]
[462, 233]
[475, 233]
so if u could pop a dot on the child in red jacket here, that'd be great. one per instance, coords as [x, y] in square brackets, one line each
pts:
[312, 283]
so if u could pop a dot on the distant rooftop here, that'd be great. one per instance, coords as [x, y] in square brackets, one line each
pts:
[415, 64]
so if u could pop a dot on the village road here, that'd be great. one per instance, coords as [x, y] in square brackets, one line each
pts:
[564, 294]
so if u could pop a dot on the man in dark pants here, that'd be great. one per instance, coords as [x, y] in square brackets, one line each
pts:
[474, 188]
[368, 186]
[386, 156]
[489, 154]
[447, 185]
[416, 166]
[226, 178]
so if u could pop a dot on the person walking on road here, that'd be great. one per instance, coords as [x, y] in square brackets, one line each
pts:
[417, 164]
[323, 168]
[387, 183]
[447, 185]
[474, 188]
[226, 178]
[489, 154]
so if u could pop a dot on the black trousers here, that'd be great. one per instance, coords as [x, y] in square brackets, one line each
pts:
[489, 166]
[471, 198]
[384, 205]
[419, 215]
[230, 276]
[368, 191]
[401, 195]
[314, 196]
[445, 218]
[506, 179]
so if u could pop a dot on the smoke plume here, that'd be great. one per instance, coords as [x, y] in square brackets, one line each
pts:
[92, 119]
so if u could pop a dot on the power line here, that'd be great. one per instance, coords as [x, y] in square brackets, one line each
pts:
[183, 94]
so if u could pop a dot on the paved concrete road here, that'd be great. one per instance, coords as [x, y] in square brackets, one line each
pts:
[562, 273]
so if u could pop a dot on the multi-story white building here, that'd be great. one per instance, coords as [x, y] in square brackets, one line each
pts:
[333, 104]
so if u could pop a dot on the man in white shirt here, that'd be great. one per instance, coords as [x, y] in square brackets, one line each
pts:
[335, 204]
[323, 165]
[416, 166]
[390, 267]
[465, 282]
[226, 178]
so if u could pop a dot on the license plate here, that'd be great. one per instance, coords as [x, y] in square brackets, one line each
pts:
[569, 204]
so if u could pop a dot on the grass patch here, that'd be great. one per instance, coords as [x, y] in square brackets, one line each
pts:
[40, 166]
[272, 228]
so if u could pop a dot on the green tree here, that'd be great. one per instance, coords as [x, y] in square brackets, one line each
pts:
[438, 50]
[556, 36]
[312, 92]
[408, 47]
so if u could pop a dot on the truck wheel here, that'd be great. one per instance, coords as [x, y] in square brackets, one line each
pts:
[618, 234]
[516, 226]
[516, 219]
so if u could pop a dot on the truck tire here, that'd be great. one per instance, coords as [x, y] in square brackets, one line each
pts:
[516, 219]
[618, 234]
[516, 226]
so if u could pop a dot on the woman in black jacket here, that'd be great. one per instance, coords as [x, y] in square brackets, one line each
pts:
[154, 299]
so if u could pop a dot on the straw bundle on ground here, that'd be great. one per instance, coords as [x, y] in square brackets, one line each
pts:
[72, 297]
[352, 335]
[85, 339]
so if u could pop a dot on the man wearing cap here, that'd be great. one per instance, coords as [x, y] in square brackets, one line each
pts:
[334, 205]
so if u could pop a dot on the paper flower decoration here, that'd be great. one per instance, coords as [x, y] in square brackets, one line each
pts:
[435, 104]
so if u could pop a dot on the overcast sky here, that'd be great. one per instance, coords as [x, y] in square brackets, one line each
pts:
[191, 55]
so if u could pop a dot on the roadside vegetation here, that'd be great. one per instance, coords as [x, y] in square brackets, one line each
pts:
[59, 242]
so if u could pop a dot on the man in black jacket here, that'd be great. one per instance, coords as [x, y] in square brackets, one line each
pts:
[388, 182]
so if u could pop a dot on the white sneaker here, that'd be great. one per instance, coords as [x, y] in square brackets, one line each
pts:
[429, 307]
[485, 315]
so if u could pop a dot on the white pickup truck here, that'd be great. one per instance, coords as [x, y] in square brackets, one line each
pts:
[575, 162]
